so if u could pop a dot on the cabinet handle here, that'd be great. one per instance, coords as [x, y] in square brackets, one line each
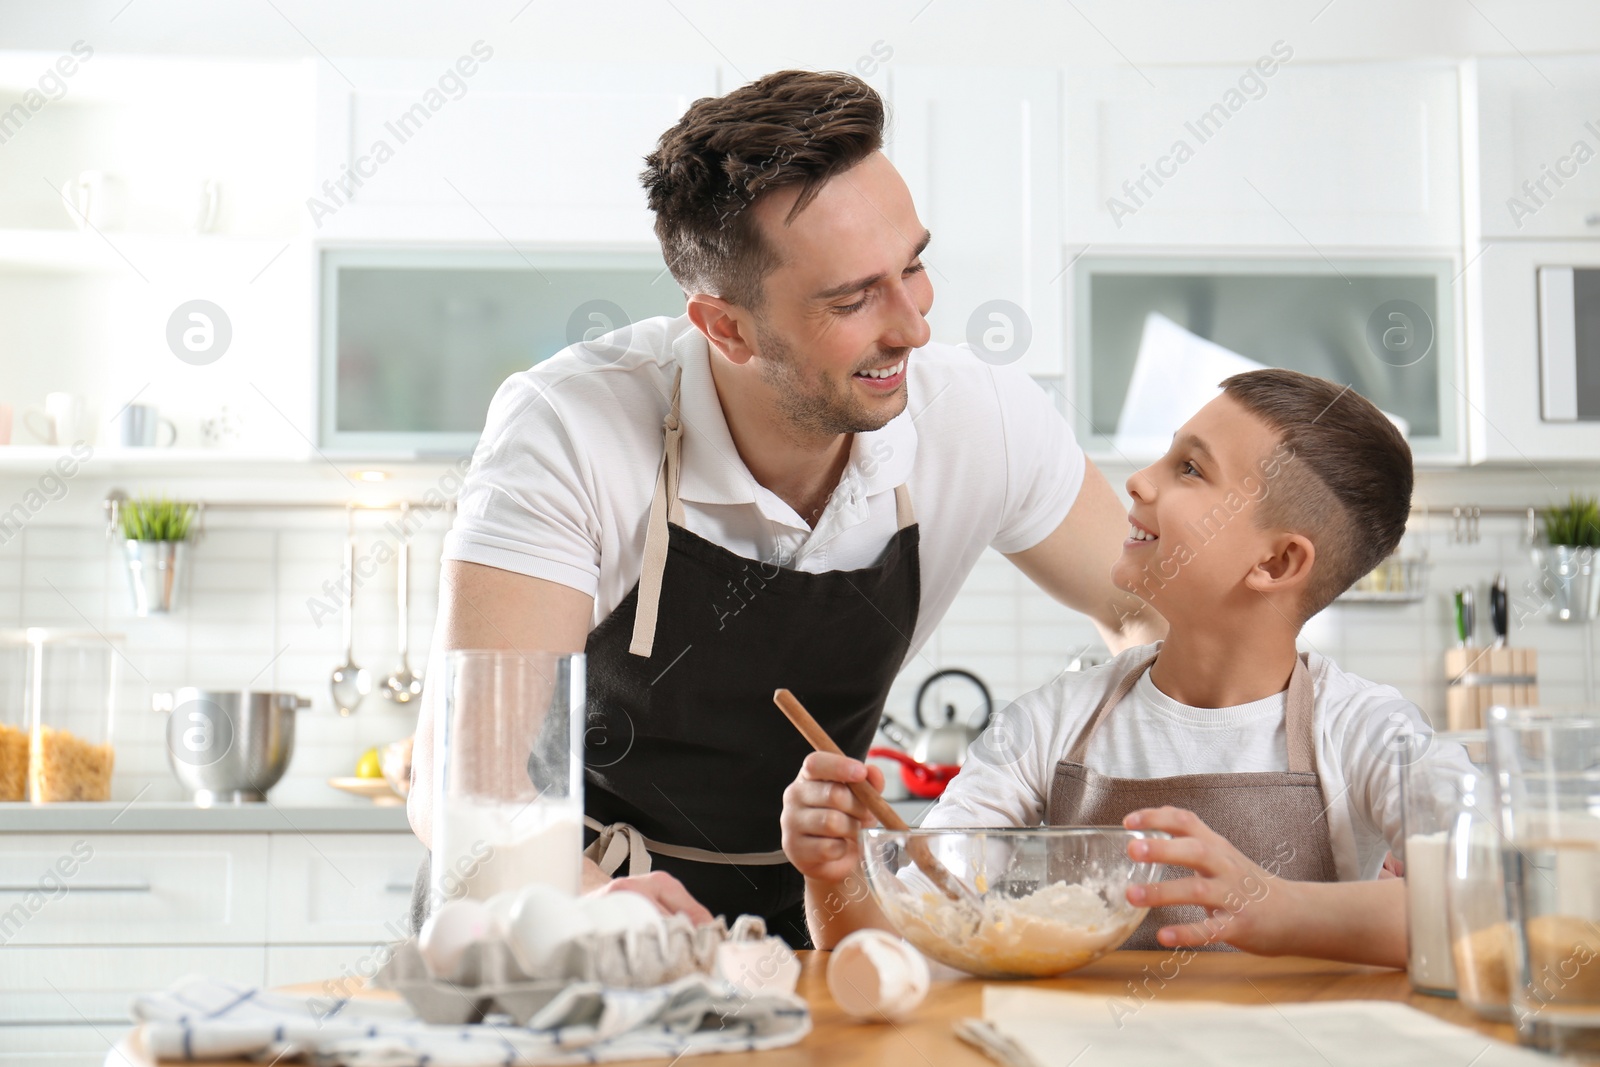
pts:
[398, 887]
[109, 887]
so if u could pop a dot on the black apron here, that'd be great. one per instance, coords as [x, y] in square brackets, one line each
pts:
[686, 758]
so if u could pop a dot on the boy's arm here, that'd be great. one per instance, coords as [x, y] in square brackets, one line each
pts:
[1251, 909]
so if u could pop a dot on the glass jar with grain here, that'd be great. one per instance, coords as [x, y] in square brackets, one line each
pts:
[72, 680]
[14, 657]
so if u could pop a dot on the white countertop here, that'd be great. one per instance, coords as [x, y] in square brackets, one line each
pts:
[181, 817]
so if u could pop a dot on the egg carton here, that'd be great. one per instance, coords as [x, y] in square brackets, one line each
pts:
[489, 980]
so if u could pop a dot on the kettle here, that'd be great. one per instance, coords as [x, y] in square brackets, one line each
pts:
[934, 754]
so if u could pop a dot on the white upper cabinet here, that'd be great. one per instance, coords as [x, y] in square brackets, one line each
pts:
[980, 151]
[486, 149]
[1273, 153]
[1539, 146]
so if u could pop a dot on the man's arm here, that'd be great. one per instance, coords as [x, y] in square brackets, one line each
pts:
[1073, 564]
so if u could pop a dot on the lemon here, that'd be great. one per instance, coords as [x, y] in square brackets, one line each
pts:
[367, 766]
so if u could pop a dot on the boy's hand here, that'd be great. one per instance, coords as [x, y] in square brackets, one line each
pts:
[821, 816]
[1249, 907]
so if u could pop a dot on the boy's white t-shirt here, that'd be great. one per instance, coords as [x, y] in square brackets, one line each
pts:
[1006, 778]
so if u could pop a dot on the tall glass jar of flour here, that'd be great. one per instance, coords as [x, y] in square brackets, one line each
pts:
[508, 773]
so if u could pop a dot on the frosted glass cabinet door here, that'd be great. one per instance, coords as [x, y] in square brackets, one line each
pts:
[415, 342]
[1154, 336]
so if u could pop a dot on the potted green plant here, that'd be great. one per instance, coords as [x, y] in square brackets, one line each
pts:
[1565, 564]
[156, 542]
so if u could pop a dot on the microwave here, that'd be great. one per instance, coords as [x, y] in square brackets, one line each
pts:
[1569, 344]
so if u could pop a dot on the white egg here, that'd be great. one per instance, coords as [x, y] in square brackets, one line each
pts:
[500, 906]
[874, 975]
[612, 913]
[542, 920]
[449, 930]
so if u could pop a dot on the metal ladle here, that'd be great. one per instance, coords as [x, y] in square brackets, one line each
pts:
[349, 683]
[402, 687]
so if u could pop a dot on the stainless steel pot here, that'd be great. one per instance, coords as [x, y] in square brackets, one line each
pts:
[229, 746]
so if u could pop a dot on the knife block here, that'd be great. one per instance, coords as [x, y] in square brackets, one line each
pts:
[1483, 677]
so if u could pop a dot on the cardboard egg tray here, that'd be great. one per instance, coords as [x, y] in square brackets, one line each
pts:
[489, 981]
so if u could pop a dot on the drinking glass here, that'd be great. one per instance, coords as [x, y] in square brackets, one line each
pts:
[1547, 777]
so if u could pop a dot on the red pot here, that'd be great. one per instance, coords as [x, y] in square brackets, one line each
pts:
[923, 780]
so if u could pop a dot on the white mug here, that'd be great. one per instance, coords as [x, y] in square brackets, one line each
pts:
[95, 199]
[141, 425]
[5, 424]
[66, 419]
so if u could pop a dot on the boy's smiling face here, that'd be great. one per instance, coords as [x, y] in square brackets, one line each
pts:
[1194, 542]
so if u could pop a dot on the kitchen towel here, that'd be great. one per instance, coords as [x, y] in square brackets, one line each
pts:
[204, 1018]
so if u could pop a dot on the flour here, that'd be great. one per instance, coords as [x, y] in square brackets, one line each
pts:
[484, 849]
[1429, 957]
[1054, 929]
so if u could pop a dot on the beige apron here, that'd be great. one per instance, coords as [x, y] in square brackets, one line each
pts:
[1276, 818]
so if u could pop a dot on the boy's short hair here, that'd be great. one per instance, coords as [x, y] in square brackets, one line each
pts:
[1348, 487]
[793, 127]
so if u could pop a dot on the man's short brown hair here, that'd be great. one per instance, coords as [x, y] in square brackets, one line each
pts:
[1348, 486]
[795, 127]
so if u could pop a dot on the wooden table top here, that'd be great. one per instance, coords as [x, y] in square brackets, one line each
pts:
[928, 1038]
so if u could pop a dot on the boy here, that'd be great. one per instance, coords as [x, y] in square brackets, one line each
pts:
[1275, 774]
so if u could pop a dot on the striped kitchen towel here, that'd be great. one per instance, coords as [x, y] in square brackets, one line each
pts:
[205, 1019]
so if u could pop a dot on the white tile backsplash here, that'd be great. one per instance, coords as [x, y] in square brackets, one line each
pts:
[256, 610]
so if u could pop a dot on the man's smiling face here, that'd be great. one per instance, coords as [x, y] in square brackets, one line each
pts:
[847, 302]
[1193, 528]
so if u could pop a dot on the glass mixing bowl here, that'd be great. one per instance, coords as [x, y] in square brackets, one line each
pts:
[1053, 898]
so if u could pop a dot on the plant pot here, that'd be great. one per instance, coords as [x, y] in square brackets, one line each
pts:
[1568, 582]
[155, 573]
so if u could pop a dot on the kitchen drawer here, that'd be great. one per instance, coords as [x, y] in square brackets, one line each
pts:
[58, 1046]
[95, 985]
[122, 889]
[341, 888]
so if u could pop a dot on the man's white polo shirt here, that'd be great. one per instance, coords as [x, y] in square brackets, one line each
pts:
[561, 481]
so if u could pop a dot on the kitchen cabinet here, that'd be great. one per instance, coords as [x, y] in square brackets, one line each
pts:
[1538, 157]
[1510, 419]
[142, 909]
[1310, 156]
[980, 150]
[491, 150]
[341, 889]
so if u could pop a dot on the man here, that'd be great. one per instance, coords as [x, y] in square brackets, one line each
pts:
[785, 487]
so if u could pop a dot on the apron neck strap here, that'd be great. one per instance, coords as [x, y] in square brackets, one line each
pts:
[903, 513]
[664, 507]
[1298, 719]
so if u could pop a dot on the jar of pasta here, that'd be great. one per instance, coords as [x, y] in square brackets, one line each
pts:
[73, 684]
[14, 657]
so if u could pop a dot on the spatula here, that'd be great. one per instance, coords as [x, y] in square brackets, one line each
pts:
[916, 847]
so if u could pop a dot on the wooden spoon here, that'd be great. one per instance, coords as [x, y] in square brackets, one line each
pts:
[916, 847]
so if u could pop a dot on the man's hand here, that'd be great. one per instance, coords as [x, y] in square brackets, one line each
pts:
[821, 816]
[1248, 907]
[663, 890]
